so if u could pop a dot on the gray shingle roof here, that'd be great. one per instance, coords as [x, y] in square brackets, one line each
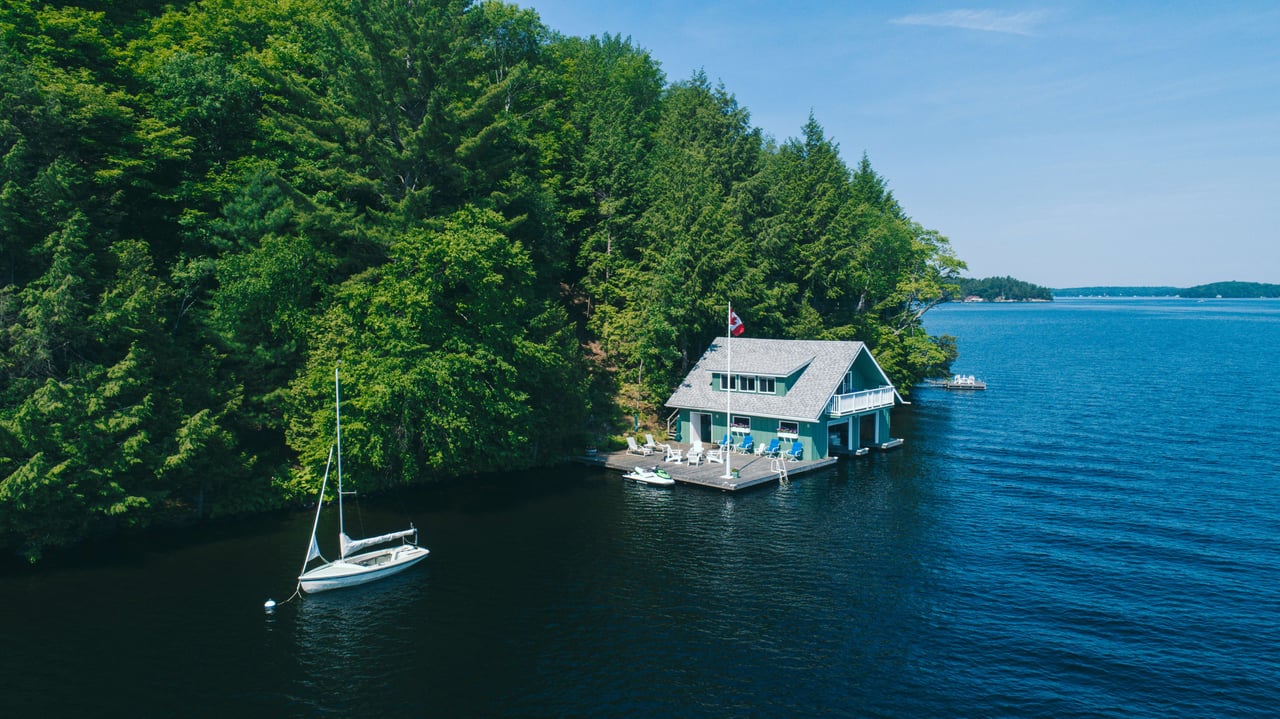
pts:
[824, 363]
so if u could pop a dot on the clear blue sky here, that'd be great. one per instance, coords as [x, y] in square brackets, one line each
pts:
[1064, 143]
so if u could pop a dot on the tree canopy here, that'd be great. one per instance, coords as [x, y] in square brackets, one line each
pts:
[507, 238]
[1002, 289]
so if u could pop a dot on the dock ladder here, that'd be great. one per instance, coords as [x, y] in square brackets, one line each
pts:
[779, 465]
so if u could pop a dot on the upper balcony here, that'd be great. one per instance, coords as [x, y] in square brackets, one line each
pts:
[856, 402]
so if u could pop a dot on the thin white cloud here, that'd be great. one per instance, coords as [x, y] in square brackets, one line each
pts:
[1016, 23]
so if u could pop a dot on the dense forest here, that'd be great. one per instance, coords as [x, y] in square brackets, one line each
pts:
[993, 289]
[1236, 290]
[1154, 291]
[1233, 290]
[508, 237]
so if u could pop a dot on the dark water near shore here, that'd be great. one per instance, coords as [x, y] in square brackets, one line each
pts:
[1097, 535]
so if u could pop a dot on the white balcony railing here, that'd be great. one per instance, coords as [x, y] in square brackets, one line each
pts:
[864, 401]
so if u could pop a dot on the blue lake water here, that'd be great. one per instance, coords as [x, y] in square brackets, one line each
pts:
[1097, 535]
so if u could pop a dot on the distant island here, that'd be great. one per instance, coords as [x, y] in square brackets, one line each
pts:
[1234, 290]
[1001, 289]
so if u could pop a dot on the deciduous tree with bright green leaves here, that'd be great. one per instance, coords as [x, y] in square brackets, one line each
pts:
[452, 363]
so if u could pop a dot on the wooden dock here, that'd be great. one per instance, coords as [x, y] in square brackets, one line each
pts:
[752, 470]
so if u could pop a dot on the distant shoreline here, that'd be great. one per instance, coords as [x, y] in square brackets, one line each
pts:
[1152, 297]
[1215, 290]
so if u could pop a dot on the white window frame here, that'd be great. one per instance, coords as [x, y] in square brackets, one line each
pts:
[748, 383]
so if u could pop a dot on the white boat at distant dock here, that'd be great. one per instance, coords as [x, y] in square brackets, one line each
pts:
[962, 381]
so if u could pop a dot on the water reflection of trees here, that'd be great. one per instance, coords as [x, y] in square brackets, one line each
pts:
[350, 641]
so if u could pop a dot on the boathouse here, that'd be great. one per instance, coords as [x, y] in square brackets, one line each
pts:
[832, 397]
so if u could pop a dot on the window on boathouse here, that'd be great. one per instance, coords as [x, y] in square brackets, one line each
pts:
[748, 383]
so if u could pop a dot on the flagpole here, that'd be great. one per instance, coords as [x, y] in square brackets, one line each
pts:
[728, 392]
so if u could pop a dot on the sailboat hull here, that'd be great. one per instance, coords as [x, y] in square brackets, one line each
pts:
[361, 568]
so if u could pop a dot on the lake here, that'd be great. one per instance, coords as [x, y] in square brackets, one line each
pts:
[1096, 535]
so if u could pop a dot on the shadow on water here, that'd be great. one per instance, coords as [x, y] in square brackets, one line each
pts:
[493, 491]
[134, 548]
[465, 495]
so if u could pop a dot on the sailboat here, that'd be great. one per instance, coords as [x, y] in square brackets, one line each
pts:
[354, 566]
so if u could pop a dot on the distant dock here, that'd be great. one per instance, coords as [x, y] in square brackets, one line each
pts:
[961, 381]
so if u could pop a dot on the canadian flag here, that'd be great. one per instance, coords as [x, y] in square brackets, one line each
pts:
[735, 324]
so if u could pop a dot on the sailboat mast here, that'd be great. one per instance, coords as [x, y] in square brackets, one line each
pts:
[337, 419]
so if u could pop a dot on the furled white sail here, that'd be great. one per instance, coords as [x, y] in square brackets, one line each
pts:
[350, 545]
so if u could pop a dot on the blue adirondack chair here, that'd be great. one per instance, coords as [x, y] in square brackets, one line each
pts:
[748, 445]
[775, 446]
[797, 449]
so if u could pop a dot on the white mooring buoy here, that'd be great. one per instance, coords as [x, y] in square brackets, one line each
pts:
[270, 605]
